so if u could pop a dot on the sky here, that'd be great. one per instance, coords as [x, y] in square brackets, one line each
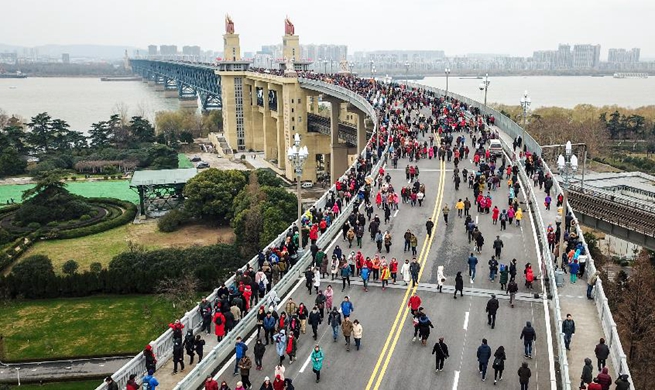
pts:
[456, 26]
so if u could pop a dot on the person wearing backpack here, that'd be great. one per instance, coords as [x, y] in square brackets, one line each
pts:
[499, 363]
[149, 382]
[219, 325]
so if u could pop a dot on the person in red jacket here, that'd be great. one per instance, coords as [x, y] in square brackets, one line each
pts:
[604, 379]
[393, 269]
[594, 385]
[210, 383]
[219, 325]
[177, 327]
[414, 303]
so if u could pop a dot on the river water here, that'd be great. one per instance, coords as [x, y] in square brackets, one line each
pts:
[83, 101]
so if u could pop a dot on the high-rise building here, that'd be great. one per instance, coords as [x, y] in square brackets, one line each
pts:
[65, 58]
[168, 50]
[191, 51]
[623, 56]
[586, 56]
[152, 50]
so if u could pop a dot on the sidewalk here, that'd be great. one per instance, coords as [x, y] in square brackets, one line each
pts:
[573, 300]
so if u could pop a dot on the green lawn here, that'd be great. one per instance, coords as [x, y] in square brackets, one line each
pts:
[119, 189]
[80, 385]
[99, 325]
[183, 161]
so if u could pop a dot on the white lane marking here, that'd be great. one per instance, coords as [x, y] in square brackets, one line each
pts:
[396, 213]
[456, 380]
[466, 321]
[476, 219]
[302, 369]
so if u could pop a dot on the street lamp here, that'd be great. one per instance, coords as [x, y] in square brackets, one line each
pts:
[297, 156]
[406, 71]
[447, 74]
[567, 165]
[525, 104]
[484, 86]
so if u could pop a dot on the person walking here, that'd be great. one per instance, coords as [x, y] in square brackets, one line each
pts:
[492, 308]
[404, 270]
[245, 364]
[440, 350]
[346, 271]
[445, 211]
[364, 275]
[292, 347]
[604, 379]
[314, 320]
[504, 277]
[424, 325]
[334, 319]
[178, 355]
[493, 268]
[587, 373]
[269, 327]
[309, 279]
[512, 289]
[524, 374]
[413, 241]
[568, 328]
[281, 344]
[358, 331]
[414, 269]
[347, 329]
[441, 279]
[622, 382]
[149, 382]
[317, 362]
[602, 352]
[498, 246]
[240, 349]
[414, 303]
[529, 336]
[111, 384]
[483, 354]
[260, 349]
[459, 285]
[429, 225]
[499, 363]
[472, 262]
[267, 385]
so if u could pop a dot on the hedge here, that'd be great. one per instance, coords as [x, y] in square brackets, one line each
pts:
[128, 215]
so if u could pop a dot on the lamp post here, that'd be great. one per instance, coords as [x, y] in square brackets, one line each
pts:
[406, 72]
[297, 156]
[567, 165]
[447, 71]
[525, 104]
[484, 86]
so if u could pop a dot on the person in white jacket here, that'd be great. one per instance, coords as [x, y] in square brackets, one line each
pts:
[441, 279]
[404, 270]
[357, 333]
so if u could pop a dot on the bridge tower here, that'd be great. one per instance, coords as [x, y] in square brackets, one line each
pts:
[232, 71]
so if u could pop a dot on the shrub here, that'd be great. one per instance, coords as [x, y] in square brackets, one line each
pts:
[85, 217]
[172, 220]
[74, 178]
[52, 224]
[95, 268]
[106, 177]
[127, 216]
[70, 267]
[33, 225]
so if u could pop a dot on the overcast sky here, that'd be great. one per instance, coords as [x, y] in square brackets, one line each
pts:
[455, 26]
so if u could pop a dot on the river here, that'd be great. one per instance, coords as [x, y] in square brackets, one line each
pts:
[83, 101]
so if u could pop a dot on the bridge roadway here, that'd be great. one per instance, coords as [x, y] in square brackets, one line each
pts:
[388, 358]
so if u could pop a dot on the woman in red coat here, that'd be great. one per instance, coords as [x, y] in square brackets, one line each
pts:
[219, 325]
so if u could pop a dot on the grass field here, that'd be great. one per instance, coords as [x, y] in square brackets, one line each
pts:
[183, 161]
[104, 246]
[80, 385]
[100, 325]
[119, 189]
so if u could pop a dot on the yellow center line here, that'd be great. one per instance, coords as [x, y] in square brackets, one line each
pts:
[394, 334]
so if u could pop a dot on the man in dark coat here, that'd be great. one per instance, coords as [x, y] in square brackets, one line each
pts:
[602, 353]
[483, 354]
[524, 376]
[459, 285]
[529, 336]
[587, 373]
[440, 350]
[492, 308]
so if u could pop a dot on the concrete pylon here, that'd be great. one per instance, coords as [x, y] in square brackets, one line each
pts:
[339, 151]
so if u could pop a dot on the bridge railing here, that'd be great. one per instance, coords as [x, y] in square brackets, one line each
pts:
[618, 198]
[163, 345]
[617, 356]
[225, 348]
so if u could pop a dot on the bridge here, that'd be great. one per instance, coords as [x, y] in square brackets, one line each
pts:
[388, 358]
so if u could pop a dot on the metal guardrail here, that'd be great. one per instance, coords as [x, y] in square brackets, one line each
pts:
[225, 348]
[614, 197]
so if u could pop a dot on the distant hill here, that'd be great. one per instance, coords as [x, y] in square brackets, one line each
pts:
[88, 51]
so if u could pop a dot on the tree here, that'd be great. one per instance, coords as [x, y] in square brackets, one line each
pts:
[15, 136]
[210, 194]
[99, 135]
[186, 137]
[41, 132]
[33, 274]
[162, 157]
[70, 267]
[11, 163]
[95, 268]
[180, 292]
[142, 130]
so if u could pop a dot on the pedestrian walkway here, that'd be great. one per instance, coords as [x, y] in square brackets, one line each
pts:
[573, 300]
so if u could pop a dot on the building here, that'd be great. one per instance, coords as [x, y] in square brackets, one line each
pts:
[586, 56]
[623, 56]
[168, 50]
[65, 58]
[152, 50]
[564, 57]
[191, 51]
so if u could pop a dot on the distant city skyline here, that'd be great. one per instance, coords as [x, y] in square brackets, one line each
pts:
[469, 26]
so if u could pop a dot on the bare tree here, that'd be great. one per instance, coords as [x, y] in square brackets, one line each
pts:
[123, 111]
[180, 292]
